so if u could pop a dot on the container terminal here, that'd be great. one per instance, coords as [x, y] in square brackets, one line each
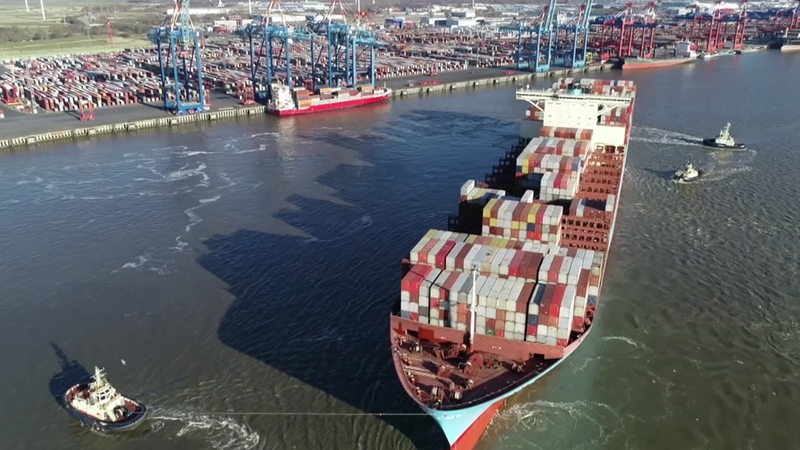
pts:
[213, 58]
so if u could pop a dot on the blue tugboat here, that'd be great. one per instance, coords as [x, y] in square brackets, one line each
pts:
[99, 406]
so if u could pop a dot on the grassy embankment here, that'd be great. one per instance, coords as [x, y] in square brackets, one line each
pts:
[77, 27]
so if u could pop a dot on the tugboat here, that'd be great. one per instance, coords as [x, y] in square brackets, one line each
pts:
[688, 173]
[99, 406]
[723, 140]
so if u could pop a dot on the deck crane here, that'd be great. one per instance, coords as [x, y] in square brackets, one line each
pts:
[178, 46]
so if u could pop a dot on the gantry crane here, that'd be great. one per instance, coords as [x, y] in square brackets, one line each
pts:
[542, 26]
[178, 46]
[273, 38]
[571, 37]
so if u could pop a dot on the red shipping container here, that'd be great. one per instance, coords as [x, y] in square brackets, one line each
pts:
[442, 255]
[583, 283]
[501, 315]
[561, 342]
[513, 266]
[554, 307]
[577, 323]
[525, 297]
[415, 317]
[490, 323]
[531, 330]
[423, 253]
[499, 333]
[534, 265]
[462, 254]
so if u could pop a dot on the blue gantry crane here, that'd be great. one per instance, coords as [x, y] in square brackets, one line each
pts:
[539, 30]
[178, 46]
[345, 42]
[572, 38]
[270, 41]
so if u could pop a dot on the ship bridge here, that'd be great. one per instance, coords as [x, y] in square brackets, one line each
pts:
[588, 103]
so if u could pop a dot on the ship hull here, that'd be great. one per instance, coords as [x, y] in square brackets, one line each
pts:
[133, 419]
[465, 427]
[332, 106]
[654, 63]
[711, 142]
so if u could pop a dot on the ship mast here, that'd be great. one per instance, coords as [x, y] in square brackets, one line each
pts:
[473, 301]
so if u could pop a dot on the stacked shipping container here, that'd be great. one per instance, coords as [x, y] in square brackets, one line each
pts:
[529, 220]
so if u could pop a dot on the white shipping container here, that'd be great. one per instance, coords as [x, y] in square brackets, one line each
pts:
[528, 197]
[568, 303]
[563, 270]
[470, 257]
[497, 260]
[453, 296]
[575, 271]
[466, 187]
[450, 260]
[431, 260]
[414, 253]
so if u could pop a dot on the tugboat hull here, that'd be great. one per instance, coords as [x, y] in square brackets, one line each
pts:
[135, 414]
[711, 142]
[680, 178]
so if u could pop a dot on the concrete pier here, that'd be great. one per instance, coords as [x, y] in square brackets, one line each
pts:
[81, 131]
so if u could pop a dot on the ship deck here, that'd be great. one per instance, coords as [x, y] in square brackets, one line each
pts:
[447, 374]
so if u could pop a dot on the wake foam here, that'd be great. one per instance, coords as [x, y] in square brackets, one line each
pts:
[219, 431]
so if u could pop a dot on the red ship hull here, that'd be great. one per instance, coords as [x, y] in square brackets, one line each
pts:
[654, 63]
[332, 106]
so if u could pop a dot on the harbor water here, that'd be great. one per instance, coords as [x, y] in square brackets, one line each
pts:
[237, 277]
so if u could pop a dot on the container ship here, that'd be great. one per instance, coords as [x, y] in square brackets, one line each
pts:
[790, 42]
[289, 101]
[647, 63]
[685, 52]
[511, 288]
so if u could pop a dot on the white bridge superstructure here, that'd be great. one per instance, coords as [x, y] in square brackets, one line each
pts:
[577, 105]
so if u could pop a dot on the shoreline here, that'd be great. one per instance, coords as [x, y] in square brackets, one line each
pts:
[53, 127]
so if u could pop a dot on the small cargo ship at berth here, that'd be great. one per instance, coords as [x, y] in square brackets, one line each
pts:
[685, 52]
[291, 101]
[511, 288]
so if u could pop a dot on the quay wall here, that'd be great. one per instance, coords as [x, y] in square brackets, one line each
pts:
[79, 132]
